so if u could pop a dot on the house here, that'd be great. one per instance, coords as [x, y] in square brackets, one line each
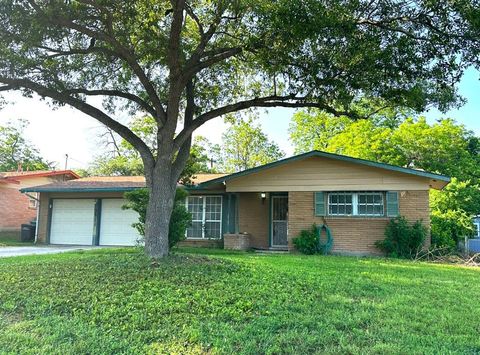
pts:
[17, 208]
[474, 243]
[272, 203]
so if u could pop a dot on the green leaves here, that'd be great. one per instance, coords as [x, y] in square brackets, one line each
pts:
[15, 149]
[244, 146]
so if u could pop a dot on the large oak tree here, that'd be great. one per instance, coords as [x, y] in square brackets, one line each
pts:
[188, 62]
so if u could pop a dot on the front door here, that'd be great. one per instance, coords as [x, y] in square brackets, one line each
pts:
[279, 217]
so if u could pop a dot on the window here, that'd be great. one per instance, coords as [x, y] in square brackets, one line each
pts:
[33, 201]
[477, 229]
[370, 204]
[356, 204]
[206, 214]
[340, 204]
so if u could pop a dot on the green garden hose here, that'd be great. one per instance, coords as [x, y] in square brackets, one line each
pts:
[325, 243]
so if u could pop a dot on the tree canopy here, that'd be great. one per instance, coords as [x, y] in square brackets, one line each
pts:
[244, 146]
[444, 147]
[187, 62]
[16, 151]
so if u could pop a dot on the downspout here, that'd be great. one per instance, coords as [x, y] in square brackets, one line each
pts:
[38, 214]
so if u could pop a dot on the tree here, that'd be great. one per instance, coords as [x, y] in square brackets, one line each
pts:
[452, 211]
[16, 151]
[137, 201]
[121, 158]
[244, 146]
[444, 147]
[187, 62]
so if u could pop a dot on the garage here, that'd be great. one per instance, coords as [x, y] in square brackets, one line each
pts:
[116, 224]
[72, 221]
[87, 211]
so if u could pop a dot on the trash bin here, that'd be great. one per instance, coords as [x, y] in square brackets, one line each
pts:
[28, 233]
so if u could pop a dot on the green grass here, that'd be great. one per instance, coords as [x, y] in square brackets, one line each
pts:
[115, 301]
[12, 239]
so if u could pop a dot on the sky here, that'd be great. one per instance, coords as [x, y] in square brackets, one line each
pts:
[56, 132]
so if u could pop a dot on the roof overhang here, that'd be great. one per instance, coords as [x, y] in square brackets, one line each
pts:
[437, 181]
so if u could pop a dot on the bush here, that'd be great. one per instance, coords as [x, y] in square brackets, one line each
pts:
[403, 240]
[179, 221]
[450, 227]
[307, 241]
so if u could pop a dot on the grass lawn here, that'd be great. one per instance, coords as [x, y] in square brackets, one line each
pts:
[114, 301]
[12, 239]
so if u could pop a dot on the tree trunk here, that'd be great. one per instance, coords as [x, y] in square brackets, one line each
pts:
[159, 210]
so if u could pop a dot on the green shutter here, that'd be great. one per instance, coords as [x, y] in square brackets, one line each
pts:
[392, 204]
[319, 204]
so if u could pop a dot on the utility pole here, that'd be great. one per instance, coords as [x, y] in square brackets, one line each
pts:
[66, 161]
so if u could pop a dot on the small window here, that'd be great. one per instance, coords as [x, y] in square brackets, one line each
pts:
[477, 229]
[356, 204]
[33, 201]
[340, 204]
[370, 204]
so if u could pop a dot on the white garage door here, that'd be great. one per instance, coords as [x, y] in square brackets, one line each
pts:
[116, 224]
[72, 221]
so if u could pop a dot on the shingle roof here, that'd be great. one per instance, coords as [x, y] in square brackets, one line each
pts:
[36, 173]
[105, 183]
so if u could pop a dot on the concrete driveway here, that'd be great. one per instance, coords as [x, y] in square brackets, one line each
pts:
[38, 250]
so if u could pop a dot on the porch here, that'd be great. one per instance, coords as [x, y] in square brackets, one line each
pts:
[260, 215]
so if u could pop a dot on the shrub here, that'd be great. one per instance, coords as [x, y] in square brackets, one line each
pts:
[307, 241]
[179, 221]
[450, 227]
[402, 240]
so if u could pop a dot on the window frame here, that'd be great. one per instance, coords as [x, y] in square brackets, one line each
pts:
[203, 221]
[33, 202]
[355, 203]
[477, 225]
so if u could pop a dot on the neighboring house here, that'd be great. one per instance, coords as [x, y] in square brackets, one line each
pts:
[474, 243]
[17, 208]
[356, 198]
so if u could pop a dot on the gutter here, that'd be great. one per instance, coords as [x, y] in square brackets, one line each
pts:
[38, 215]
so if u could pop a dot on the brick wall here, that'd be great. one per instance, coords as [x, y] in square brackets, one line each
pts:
[240, 241]
[354, 235]
[253, 218]
[206, 243]
[14, 209]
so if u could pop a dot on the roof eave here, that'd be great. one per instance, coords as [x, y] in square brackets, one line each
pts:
[425, 174]
[78, 189]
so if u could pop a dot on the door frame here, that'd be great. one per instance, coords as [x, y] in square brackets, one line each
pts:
[272, 195]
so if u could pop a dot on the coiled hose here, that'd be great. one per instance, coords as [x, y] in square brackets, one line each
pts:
[325, 242]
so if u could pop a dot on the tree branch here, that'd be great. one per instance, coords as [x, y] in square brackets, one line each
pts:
[86, 108]
[222, 55]
[174, 38]
[120, 51]
[184, 150]
[106, 92]
[268, 101]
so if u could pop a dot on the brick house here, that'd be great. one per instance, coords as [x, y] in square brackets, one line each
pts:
[271, 204]
[17, 208]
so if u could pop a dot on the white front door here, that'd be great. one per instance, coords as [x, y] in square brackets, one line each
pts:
[116, 224]
[72, 221]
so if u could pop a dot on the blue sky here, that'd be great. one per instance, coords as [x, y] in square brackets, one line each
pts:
[67, 131]
[276, 121]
